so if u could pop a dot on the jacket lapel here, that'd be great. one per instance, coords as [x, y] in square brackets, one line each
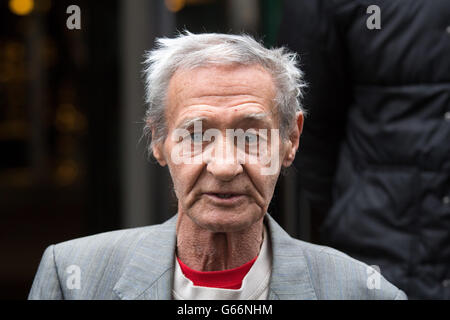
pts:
[149, 274]
[290, 273]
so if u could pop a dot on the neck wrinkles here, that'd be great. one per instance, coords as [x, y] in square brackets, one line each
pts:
[203, 250]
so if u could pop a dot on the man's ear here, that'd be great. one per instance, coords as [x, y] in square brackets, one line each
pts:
[294, 140]
[157, 150]
[159, 155]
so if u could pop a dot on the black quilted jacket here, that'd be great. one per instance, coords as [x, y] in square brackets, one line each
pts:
[374, 158]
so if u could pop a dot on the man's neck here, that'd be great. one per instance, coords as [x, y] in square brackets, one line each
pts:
[203, 250]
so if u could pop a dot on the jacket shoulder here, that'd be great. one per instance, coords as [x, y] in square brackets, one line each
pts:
[118, 240]
[335, 275]
[97, 260]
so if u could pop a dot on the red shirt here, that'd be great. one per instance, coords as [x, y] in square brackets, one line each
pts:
[226, 279]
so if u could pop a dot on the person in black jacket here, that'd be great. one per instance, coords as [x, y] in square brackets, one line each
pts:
[375, 160]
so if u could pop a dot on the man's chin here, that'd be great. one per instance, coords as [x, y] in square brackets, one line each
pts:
[219, 221]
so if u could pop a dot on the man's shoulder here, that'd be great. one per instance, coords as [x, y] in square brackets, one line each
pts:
[336, 275]
[331, 274]
[102, 242]
[104, 253]
[98, 261]
[117, 241]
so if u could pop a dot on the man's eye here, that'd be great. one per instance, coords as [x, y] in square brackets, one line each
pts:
[251, 138]
[196, 137]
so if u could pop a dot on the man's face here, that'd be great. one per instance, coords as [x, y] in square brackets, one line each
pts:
[223, 193]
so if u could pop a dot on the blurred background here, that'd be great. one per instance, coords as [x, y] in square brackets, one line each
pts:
[71, 109]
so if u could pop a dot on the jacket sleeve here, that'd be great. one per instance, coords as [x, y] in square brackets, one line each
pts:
[400, 295]
[46, 284]
[311, 29]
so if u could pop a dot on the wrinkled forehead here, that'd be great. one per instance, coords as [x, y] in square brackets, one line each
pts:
[221, 87]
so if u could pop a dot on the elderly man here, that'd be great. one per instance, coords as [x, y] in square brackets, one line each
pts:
[224, 116]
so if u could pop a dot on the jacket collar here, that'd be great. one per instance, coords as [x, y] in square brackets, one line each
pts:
[290, 279]
[149, 273]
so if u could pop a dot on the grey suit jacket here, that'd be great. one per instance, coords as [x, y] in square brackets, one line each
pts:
[139, 264]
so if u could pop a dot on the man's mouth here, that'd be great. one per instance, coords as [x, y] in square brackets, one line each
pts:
[224, 197]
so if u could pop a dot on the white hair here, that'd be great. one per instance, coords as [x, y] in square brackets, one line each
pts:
[188, 51]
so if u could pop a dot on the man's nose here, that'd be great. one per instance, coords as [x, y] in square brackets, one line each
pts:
[224, 171]
[224, 165]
